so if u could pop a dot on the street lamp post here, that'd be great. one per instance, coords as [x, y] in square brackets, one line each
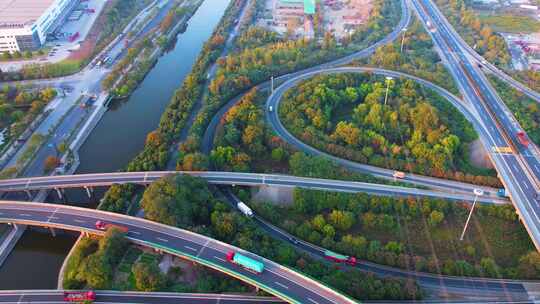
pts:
[468, 218]
[388, 80]
[404, 30]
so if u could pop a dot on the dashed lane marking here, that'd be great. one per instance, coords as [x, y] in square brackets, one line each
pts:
[79, 221]
[220, 259]
[313, 301]
[162, 239]
[282, 285]
[190, 248]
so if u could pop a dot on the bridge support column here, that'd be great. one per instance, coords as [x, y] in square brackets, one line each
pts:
[53, 232]
[28, 194]
[59, 192]
[89, 191]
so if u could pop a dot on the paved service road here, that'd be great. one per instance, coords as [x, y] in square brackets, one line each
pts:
[280, 281]
[234, 178]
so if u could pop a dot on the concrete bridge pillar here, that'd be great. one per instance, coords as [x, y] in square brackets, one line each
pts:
[28, 194]
[89, 191]
[60, 193]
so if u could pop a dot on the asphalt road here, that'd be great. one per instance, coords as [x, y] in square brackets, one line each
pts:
[519, 171]
[439, 286]
[234, 178]
[275, 279]
[57, 296]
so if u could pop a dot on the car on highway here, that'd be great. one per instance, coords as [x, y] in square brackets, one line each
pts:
[398, 174]
[478, 192]
[104, 226]
[270, 108]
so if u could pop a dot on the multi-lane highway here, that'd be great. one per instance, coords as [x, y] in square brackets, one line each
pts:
[518, 170]
[280, 281]
[241, 179]
[118, 297]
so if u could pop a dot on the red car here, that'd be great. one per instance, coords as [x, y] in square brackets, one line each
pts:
[101, 225]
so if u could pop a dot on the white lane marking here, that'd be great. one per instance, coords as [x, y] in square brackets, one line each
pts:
[282, 285]
[536, 167]
[52, 218]
[190, 248]
[135, 232]
[220, 259]
[526, 186]
[515, 168]
[311, 300]
[79, 221]
[162, 239]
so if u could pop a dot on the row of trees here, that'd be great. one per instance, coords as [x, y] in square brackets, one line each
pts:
[392, 124]
[486, 42]
[19, 106]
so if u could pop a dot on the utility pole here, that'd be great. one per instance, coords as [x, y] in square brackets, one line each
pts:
[468, 218]
[388, 80]
[404, 30]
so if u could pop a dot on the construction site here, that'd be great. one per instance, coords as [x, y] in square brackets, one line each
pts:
[298, 18]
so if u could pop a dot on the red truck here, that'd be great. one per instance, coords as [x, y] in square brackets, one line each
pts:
[522, 137]
[101, 225]
[339, 258]
[79, 296]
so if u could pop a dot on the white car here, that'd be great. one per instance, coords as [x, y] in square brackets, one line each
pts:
[478, 192]
[270, 108]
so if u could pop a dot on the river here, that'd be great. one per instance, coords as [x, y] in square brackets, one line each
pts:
[120, 135]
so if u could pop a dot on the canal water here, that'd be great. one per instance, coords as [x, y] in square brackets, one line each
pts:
[120, 135]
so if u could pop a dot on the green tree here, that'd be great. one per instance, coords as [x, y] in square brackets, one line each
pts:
[148, 276]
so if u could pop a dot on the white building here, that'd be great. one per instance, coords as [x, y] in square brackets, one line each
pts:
[24, 24]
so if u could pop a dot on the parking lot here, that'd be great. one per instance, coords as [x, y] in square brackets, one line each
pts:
[60, 48]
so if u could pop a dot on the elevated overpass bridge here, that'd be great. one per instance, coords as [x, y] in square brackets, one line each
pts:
[124, 297]
[284, 283]
[242, 179]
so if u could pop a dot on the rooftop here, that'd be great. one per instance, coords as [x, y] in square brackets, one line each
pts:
[22, 12]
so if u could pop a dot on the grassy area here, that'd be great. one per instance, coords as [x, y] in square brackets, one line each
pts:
[511, 24]
[380, 225]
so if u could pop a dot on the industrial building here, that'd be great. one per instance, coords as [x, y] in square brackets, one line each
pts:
[24, 24]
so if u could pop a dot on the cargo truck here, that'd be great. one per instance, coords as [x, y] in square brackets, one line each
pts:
[339, 258]
[245, 209]
[79, 296]
[101, 225]
[248, 264]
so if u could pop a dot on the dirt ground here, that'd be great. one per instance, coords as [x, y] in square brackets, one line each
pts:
[277, 195]
[479, 156]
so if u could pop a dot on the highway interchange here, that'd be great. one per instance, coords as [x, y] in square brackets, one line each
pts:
[276, 279]
[510, 166]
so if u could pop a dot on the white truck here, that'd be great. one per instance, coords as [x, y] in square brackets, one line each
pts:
[245, 209]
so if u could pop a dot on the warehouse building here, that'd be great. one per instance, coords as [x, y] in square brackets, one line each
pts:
[24, 24]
